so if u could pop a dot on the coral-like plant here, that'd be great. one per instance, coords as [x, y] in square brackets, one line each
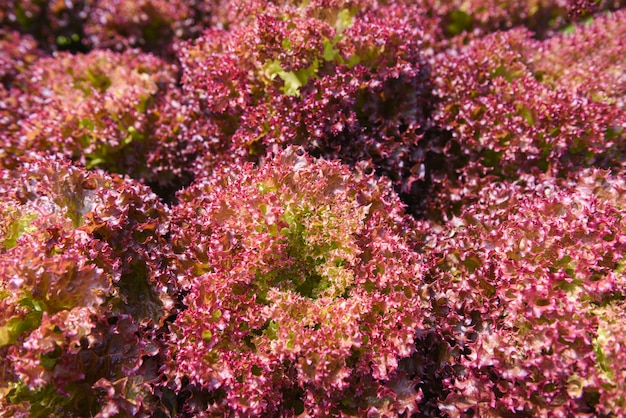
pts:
[82, 292]
[532, 281]
[588, 59]
[304, 292]
[320, 207]
[151, 25]
[342, 83]
[18, 53]
[496, 121]
[80, 25]
[96, 109]
[474, 18]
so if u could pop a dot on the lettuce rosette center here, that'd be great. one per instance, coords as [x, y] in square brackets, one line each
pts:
[296, 272]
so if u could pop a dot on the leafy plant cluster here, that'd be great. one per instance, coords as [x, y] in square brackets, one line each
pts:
[318, 208]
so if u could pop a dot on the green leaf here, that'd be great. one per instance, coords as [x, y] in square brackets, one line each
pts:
[272, 69]
[526, 113]
[64, 41]
[49, 360]
[286, 44]
[330, 52]
[15, 327]
[459, 22]
[94, 160]
[86, 123]
[216, 314]
[272, 330]
[345, 19]
[133, 135]
[601, 359]
[292, 80]
[98, 80]
[17, 228]
[33, 304]
[292, 83]
[47, 402]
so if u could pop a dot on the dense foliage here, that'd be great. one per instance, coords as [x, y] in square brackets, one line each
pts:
[528, 281]
[320, 208]
[272, 259]
[84, 287]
